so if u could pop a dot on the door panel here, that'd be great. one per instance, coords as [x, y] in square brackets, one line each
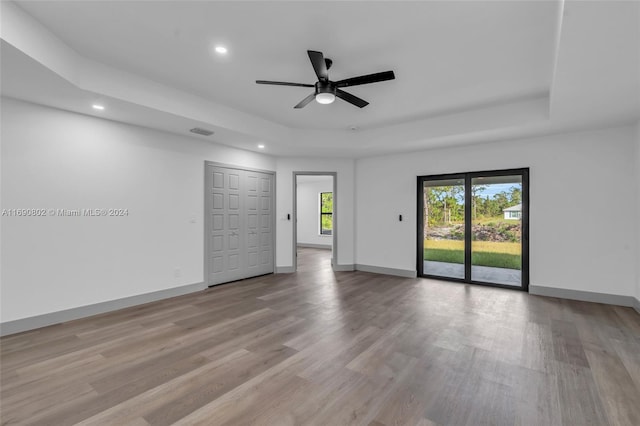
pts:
[266, 224]
[252, 183]
[218, 180]
[216, 265]
[444, 227]
[225, 242]
[234, 180]
[496, 237]
[218, 221]
[252, 216]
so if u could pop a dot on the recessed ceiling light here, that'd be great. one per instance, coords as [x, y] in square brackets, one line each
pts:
[221, 50]
[261, 146]
[98, 107]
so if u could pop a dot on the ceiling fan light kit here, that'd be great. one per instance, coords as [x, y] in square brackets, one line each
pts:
[325, 98]
[325, 90]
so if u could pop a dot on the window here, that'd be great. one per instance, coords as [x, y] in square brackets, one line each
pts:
[326, 213]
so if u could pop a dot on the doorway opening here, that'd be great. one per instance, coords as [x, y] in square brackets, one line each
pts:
[474, 227]
[315, 216]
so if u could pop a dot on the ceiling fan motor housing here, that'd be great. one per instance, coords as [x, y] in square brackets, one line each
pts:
[325, 87]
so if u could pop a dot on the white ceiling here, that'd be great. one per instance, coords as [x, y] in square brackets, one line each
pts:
[465, 71]
[446, 55]
[24, 78]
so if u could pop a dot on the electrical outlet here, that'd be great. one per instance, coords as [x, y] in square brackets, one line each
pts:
[177, 272]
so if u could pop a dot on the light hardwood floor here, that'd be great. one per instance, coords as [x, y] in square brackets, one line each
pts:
[325, 348]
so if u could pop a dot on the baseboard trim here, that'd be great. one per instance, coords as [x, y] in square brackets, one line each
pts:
[636, 304]
[585, 296]
[31, 323]
[344, 268]
[406, 273]
[284, 270]
[316, 246]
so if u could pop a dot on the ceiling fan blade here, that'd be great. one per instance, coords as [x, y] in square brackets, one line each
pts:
[303, 103]
[361, 103]
[284, 83]
[319, 65]
[366, 79]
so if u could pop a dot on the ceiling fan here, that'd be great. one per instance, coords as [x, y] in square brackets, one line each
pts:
[326, 90]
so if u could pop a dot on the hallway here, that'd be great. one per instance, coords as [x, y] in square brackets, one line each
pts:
[313, 259]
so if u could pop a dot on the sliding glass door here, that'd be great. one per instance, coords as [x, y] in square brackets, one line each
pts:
[496, 230]
[444, 227]
[473, 227]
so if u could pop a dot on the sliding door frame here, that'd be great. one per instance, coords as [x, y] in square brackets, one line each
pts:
[468, 179]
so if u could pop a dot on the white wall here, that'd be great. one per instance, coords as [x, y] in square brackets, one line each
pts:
[308, 209]
[580, 175]
[344, 206]
[56, 159]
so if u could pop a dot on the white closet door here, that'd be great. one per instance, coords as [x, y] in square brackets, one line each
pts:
[252, 216]
[266, 201]
[240, 224]
[226, 245]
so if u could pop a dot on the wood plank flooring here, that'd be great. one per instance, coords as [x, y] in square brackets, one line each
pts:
[325, 348]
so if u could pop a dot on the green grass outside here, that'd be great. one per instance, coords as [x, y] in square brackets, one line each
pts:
[440, 255]
[488, 246]
[478, 258]
[496, 255]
